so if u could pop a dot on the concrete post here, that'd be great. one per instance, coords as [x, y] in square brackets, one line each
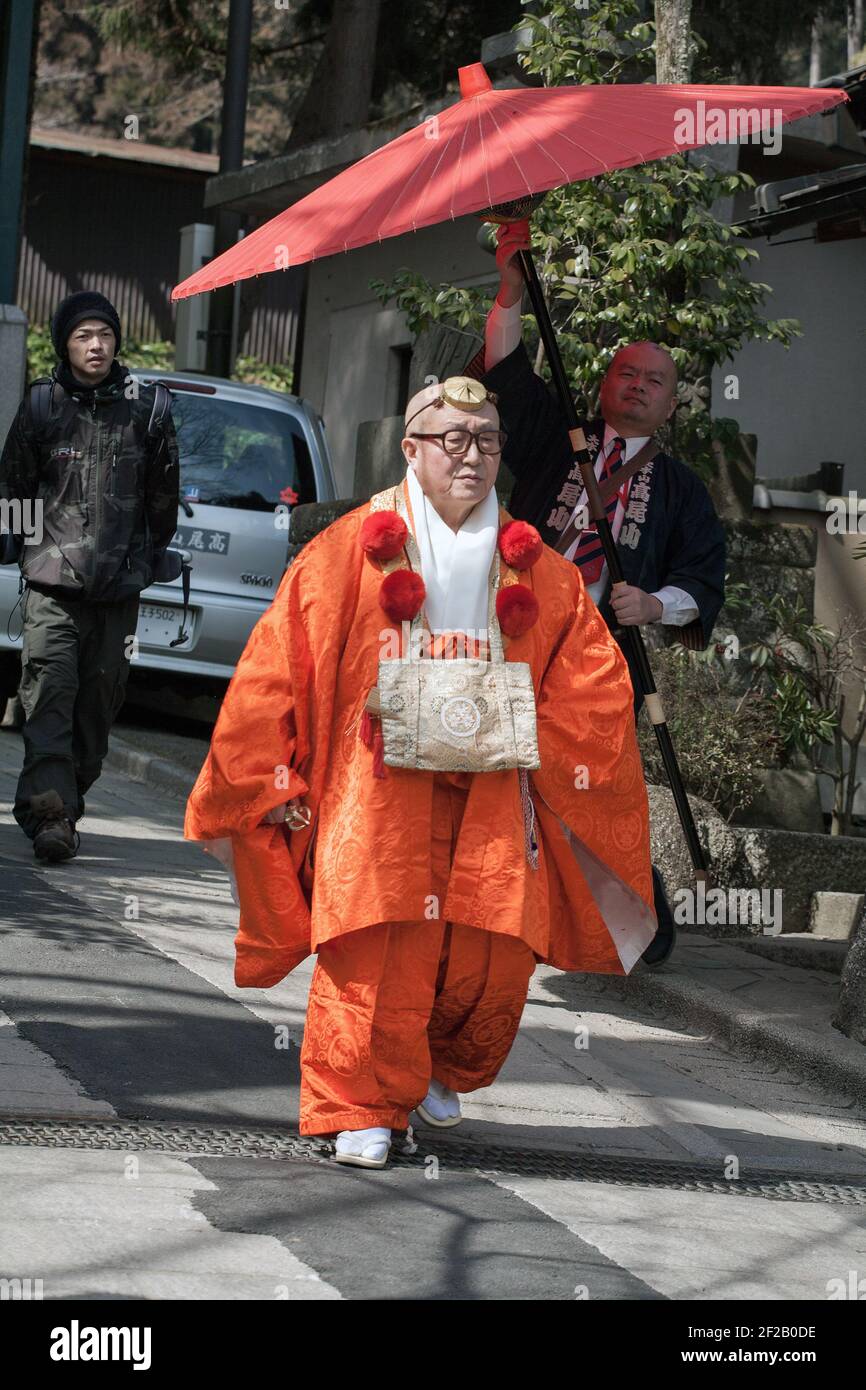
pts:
[13, 361]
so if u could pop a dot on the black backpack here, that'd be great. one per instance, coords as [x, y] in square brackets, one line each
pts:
[42, 398]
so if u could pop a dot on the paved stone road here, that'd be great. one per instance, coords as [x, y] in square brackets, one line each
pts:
[118, 1000]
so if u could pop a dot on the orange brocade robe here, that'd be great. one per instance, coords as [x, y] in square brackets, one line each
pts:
[289, 727]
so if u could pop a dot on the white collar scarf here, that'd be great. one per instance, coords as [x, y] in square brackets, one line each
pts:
[455, 566]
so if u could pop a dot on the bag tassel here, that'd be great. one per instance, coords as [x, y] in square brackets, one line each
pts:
[365, 733]
[378, 751]
[370, 734]
[530, 831]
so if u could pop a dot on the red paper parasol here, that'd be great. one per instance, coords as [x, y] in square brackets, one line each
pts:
[495, 146]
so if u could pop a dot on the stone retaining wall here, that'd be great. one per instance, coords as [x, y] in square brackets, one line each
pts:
[742, 858]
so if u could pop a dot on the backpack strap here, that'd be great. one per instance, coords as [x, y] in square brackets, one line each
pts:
[41, 399]
[182, 633]
[45, 392]
[160, 411]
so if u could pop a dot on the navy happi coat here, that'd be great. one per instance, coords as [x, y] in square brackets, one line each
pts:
[681, 540]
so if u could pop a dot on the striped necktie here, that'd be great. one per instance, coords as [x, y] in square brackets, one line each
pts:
[589, 554]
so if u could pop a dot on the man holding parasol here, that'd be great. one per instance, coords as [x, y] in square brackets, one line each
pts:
[670, 542]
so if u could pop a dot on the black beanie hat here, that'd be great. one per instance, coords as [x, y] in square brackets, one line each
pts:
[74, 309]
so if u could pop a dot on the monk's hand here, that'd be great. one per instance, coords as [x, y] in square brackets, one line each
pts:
[511, 238]
[278, 814]
[633, 606]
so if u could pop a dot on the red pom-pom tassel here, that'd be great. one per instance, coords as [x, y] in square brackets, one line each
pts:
[401, 595]
[383, 535]
[520, 545]
[517, 609]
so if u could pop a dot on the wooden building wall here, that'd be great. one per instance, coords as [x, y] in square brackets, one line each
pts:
[113, 225]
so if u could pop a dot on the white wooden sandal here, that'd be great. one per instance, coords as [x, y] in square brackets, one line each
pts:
[440, 1107]
[364, 1148]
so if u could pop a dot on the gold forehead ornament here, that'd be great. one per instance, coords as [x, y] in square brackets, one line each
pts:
[465, 393]
[460, 392]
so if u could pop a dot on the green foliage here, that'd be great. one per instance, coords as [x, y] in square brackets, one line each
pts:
[604, 42]
[801, 723]
[40, 353]
[425, 304]
[165, 59]
[764, 41]
[630, 255]
[807, 672]
[155, 357]
[802, 669]
[41, 357]
[723, 740]
[733, 713]
[278, 376]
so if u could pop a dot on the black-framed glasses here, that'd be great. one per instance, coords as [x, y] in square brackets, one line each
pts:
[460, 441]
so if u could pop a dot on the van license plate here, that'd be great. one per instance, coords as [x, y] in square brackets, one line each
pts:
[202, 540]
[158, 625]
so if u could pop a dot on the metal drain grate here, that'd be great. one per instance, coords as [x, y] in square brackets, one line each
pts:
[226, 1141]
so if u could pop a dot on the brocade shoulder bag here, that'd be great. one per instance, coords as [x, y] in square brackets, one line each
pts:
[455, 714]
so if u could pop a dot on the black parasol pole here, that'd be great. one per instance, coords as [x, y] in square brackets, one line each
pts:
[631, 635]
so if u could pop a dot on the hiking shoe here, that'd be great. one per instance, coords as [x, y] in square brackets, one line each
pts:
[56, 839]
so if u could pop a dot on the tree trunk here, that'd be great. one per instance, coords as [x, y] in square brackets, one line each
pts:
[674, 42]
[855, 29]
[815, 51]
[337, 100]
[338, 97]
[852, 783]
[838, 814]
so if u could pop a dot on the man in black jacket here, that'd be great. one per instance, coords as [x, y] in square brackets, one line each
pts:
[670, 541]
[96, 454]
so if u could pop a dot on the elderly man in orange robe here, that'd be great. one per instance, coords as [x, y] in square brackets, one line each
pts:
[425, 771]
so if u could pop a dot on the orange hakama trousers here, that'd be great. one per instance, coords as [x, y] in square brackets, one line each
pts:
[392, 1005]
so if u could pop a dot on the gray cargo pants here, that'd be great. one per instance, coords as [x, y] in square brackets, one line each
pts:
[74, 673]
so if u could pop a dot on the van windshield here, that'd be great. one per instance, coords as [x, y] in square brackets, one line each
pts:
[237, 455]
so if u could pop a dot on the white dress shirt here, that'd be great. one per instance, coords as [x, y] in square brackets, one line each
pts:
[501, 338]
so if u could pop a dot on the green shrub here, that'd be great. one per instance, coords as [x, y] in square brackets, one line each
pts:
[278, 376]
[155, 356]
[723, 740]
[41, 357]
[814, 681]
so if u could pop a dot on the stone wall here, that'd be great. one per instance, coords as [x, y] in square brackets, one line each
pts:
[771, 559]
[851, 1013]
[743, 857]
[309, 519]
